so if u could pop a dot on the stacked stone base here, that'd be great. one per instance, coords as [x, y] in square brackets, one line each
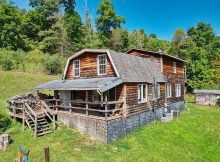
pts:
[111, 130]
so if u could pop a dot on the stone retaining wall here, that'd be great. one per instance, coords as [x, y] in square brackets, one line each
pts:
[111, 130]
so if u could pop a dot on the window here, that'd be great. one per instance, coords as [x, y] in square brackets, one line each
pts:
[158, 90]
[102, 64]
[169, 90]
[178, 90]
[142, 93]
[174, 67]
[76, 68]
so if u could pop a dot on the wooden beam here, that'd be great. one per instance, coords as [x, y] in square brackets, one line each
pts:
[125, 104]
[106, 106]
[87, 106]
[35, 127]
[47, 154]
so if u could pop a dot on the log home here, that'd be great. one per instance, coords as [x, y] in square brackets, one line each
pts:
[107, 94]
[174, 72]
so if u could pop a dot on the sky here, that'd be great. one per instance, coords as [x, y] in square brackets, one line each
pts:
[162, 17]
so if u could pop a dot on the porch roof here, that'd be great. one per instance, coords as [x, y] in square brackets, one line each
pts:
[101, 84]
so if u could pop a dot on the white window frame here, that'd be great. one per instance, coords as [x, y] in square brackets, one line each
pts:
[158, 90]
[74, 68]
[141, 96]
[174, 67]
[169, 90]
[98, 64]
[178, 90]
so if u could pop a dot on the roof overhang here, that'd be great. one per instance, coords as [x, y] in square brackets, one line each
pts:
[157, 53]
[101, 84]
[204, 91]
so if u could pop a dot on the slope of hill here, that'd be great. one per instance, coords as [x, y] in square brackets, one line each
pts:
[194, 137]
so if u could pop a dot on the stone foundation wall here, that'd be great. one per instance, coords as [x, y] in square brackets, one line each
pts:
[96, 128]
[111, 130]
[177, 105]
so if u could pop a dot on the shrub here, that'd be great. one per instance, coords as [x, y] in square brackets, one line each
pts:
[5, 122]
[53, 64]
[7, 63]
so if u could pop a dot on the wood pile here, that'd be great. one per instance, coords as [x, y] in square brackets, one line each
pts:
[18, 101]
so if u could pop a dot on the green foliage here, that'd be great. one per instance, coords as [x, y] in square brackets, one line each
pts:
[7, 63]
[154, 44]
[53, 64]
[106, 21]
[5, 122]
[119, 40]
[138, 39]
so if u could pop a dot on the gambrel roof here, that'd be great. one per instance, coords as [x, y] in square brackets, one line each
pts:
[128, 68]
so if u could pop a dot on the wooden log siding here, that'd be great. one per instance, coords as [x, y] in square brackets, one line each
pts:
[173, 78]
[88, 67]
[132, 98]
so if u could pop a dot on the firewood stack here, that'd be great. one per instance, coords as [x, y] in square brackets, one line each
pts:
[17, 102]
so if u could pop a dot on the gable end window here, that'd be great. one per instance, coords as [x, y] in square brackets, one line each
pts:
[169, 90]
[76, 65]
[174, 67]
[142, 93]
[178, 90]
[102, 64]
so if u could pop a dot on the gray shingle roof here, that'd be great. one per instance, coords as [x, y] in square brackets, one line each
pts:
[205, 91]
[102, 84]
[136, 69]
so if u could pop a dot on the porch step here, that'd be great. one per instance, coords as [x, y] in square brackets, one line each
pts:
[168, 117]
[43, 133]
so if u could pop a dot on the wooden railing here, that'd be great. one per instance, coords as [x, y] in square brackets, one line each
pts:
[86, 109]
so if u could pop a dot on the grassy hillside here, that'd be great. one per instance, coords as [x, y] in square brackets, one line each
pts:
[194, 137]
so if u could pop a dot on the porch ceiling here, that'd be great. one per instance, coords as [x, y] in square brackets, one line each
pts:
[101, 84]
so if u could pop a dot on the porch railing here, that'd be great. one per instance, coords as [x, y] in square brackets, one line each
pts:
[57, 104]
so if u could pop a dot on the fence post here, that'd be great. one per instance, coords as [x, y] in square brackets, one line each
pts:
[87, 103]
[47, 154]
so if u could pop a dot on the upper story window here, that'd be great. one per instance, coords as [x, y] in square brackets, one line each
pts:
[142, 93]
[174, 67]
[178, 90]
[169, 90]
[76, 65]
[102, 64]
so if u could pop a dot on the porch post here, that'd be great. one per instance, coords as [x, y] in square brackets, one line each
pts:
[125, 104]
[106, 106]
[87, 103]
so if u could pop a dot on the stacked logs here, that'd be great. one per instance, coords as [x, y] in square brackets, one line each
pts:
[17, 102]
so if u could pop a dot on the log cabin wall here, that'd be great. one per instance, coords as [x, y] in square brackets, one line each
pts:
[89, 67]
[133, 106]
[174, 78]
[167, 63]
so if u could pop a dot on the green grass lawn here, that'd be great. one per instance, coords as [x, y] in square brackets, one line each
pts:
[194, 137]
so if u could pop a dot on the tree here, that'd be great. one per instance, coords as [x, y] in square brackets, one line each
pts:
[119, 40]
[138, 39]
[106, 21]
[11, 34]
[154, 44]
[45, 9]
[31, 25]
[176, 41]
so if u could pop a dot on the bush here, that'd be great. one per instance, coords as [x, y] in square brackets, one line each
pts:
[5, 122]
[53, 64]
[7, 63]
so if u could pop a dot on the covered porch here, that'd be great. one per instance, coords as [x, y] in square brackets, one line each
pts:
[95, 97]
